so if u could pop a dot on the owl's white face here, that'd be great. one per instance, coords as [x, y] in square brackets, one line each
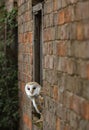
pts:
[32, 89]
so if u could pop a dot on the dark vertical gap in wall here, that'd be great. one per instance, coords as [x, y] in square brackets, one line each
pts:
[34, 2]
[38, 47]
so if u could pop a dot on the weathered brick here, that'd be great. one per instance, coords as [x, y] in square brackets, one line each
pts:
[21, 38]
[20, 58]
[26, 16]
[88, 71]
[49, 34]
[61, 64]
[56, 5]
[81, 69]
[69, 48]
[86, 30]
[50, 121]
[61, 17]
[68, 12]
[50, 48]
[84, 92]
[85, 110]
[61, 114]
[66, 15]
[28, 37]
[51, 62]
[28, 48]
[73, 32]
[80, 31]
[82, 10]
[45, 48]
[27, 6]
[72, 1]
[27, 121]
[74, 120]
[70, 66]
[61, 48]
[85, 13]
[83, 125]
[26, 58]
[22, 9]
[67, 127]
[75, 103]
[21, 29]
[58, 123]
[46, 21]
[78, 11]
[46, 61]
[67, 96]
[48, 7]
[22, 86]
[63, 32]
[55, 62]
[53, 79]
[55, 93]
[64, 3]
[78, 86]
[77, 49]
[55, 47]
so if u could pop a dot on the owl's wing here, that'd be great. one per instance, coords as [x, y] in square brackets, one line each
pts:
[40, 102]
[35, 106]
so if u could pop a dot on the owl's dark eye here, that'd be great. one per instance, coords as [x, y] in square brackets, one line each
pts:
[28, 88]
[34, 88]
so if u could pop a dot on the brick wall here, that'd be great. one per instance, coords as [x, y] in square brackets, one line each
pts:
[9, 4]
[65, 63]
[24, 60]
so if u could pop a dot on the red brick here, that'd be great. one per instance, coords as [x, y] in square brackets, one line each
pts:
[87, 71]
[55, 5]
[61, 17]
[80, 31]
[85, 110]
[58, 123]
[31, 49]
[27, 16]
[27, 121]
[21, 38]
[30, 37]
[61, 49]
[67, 15]
[55, 93]
[51, 62]
[49, 34]
[75, 103]
[22, 85]
[25, 37]
[46, 61]
[31, 59]
[50, 48]
[70, 66]
[67, 127]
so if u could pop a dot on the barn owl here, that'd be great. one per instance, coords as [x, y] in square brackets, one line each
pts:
[33, 91]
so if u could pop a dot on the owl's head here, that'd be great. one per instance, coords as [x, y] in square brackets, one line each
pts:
[32, 89]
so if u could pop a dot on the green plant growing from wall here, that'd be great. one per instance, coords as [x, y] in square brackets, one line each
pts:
[8, 70]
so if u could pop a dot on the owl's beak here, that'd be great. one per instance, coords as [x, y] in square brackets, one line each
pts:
[32, 91]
